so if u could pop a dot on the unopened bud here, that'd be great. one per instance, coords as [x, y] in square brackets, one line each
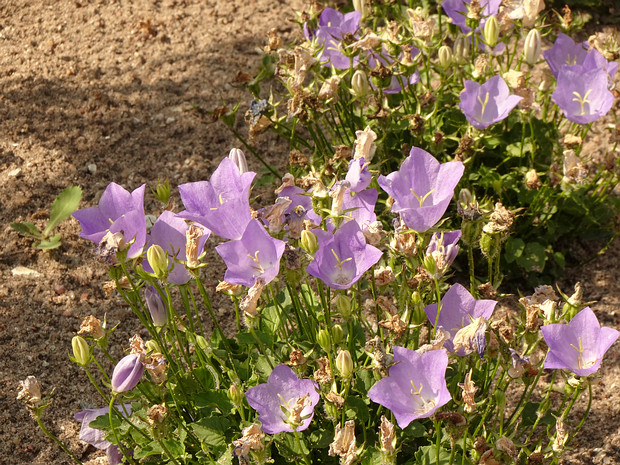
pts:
[462, 49]
[337, 334]
[238, 157]
[532, 47]
[162, 191]
[490, 244]
[344, 363]
[324, 340]
[158, 259]
[445, 56]
[156, 306]
[491, 31]
[343, 305]
[81, 351]
[152, 347]
[201, 342]
[235, 395]
[309, 242]
[359, 83]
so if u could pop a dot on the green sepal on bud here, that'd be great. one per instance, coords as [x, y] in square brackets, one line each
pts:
[158, 259]
[152, 347]
[337, 334]
[235, 394]
[162, 191]
[343, 305]
[490, 244]
[491, 31]
[309, 242]
[430, 265]
[81, 351]
[344, 363]
[324, 340]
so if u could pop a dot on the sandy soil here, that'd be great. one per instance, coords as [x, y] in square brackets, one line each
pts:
[99, 91]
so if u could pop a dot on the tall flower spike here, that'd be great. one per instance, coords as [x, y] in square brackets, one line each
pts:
[422, 188]
[118, 212]
[578, 346]
[255, 255]
[285, 402]
[222, 203]
[415, 387]
[458, 310]
[488, 103]
[342, 257]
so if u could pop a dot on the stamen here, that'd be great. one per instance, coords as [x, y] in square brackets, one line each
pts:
[582, 100]
[484, 104]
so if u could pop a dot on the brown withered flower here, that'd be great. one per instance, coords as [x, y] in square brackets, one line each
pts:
[91, 326]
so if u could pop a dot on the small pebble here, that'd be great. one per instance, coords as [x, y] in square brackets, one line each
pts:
[14, 173]
[23, 271]
[92, 168]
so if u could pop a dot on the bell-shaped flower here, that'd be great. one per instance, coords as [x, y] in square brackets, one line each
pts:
[118, 212]
[565, 52]
[488, 103]
[443, 250]
[342, 257]
[358, 207]
[422, 188]
[255, 255]
[578, 346]
[582, 95]
[333, 26]
[127, 373]
[94, 436]
[415, 387]
[458, 310]
[169, 232]
[222, 203]
[358, 174]
[285, 402]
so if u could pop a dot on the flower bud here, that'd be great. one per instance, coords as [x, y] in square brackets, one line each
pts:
[532, 47]
[156, 306]
[158, 259]
[238, 157]
[337, 334]
[461, 49]
[309, 242]
[162, 191]
[429, 265]
[359, 83]
[127, 373]
[491, 31]
[235, 395]
[361, 6]
[202, 343]
[490, 245]
[445, 56]
[344, 363]
[81, 351]
[152, 347]
[324, 340]
[343, 305]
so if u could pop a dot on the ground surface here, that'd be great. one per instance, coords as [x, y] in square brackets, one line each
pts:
[101, 91]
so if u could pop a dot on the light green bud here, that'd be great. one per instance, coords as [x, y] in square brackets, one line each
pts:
[462, 50]
[309, 242]
[337, 334]
[202, 342]
[430, 265]
[235, 394]
[162, 191]
[81, 351]
[158, 259]
[490, 245]
[343, 305]
[491, 31]
[152, 347]
[359, 83]
[324, 340]
[532, 47]
[445, 56]
[344, 363]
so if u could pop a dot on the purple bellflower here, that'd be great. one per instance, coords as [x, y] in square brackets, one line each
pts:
[358, 174]
[285, 402]
[127, 373]
[444, 250]
[565, 52]
[118, 211]
[458, 309]
[333, 25]
[416, 385]
[169, 232]
[156, 306]
[255, 255]
[94, 436]
[488, 103]
[578, 346]
[222, 203]
[422, 188]
[457, 11]
[342, 257]
[299, 198]
[582, 95]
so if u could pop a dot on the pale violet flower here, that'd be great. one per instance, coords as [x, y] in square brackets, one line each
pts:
[488, 103]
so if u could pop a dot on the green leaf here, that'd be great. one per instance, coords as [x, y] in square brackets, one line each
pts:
[533, 258]
[514, 249]
[211, 430]
[66, 203]
[290, 448]
[427, 455]
[26, 229]
[51, 243]
[356, 409]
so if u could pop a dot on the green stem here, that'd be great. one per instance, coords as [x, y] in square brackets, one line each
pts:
[37, 417]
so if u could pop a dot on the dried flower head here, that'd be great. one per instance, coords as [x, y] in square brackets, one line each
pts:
[387, 436]
[324, 373]
[30, 391]
[500, 220]
[574, 170]
[156, 366]
[91, 326]
[192, 249]
[441, 337]
[335, 399]
[329, 89]
[157, 414]
[250, 441]
[344, 443]
[560, 434]
[383, 275]
[472, 337]
[249, 302]
[374, 233]
[469, 392]
[297, 358]
[228, 288]
[365, 144]
[531, 180]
